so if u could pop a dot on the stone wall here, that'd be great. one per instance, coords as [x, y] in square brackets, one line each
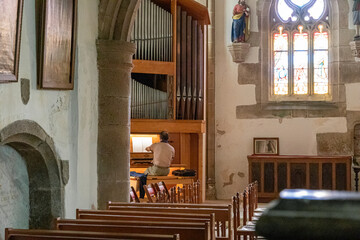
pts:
[244, 112]
[14, 190]
[68, 117]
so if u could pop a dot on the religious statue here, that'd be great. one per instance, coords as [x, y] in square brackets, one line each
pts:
[241, 22]
[356, 18]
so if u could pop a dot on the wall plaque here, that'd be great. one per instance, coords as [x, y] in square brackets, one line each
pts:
[10, 31]
[57, 44]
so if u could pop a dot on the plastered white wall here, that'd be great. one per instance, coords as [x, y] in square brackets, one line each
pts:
[353, 96]
[234, 137]
[68, 117]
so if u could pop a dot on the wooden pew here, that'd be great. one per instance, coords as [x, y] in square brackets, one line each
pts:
[223, 213]
[186, 231]
[249, 199]
[150, 193]
[24, 234]
[133, 195]
[148, 216]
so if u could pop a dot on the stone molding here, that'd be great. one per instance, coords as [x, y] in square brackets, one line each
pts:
[239, 51]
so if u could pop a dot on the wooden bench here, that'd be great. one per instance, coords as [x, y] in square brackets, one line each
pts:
[148, 216]
[223, 213]
[24, 234]
[168, 180]
[186, 231]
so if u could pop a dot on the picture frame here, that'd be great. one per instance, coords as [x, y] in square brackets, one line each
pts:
[57, 45]
[266, 146]
[10, 38]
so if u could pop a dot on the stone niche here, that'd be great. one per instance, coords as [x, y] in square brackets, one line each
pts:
[32, 178]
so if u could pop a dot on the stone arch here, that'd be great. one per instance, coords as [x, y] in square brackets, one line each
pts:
[45, 170]
[116, 18]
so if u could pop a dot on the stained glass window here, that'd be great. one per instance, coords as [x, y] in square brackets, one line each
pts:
[284, 10]
[301, 48]
[281, 63]
[321, 63]
[300, 62]
[300, 3]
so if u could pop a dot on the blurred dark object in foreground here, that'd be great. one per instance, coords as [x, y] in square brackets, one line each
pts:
[312, 214]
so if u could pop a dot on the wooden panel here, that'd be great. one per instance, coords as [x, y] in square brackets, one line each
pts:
[57, 45]
[341, 176]
[174, 140]
[185, 149]
[327, 176]
[314, 176]
[194, 145]
[194, 9]
[298, 175]
[156, 126]
[314, 172]
[153, 67]
[256, 174]
[269, 178]
[282, 176]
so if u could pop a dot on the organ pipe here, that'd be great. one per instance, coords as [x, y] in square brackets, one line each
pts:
[153, 36]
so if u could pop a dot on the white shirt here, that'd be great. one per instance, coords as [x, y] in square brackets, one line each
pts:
[163, 154]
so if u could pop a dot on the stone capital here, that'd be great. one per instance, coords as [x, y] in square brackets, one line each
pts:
[114, 54]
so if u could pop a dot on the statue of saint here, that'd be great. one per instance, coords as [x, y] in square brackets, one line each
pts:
[356, 18]
[241, 22]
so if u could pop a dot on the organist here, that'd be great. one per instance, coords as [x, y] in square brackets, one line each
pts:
[163, 156]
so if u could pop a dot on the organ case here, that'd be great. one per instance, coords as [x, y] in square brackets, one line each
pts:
[168, 77]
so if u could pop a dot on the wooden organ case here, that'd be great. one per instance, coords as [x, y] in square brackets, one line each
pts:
[168, 79]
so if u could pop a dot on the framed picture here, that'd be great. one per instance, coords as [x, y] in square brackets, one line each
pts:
[266, 146]
[57, 44]
[10, 35]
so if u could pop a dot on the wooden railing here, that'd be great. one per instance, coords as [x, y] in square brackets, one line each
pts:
[277, 172]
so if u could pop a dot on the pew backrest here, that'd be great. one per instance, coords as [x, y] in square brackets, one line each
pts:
[150, 192]
[25, 234]
[223, 213]
[148, 216]
[133, 195]
[186, 231]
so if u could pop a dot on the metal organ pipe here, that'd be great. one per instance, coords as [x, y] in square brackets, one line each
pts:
[152, 33]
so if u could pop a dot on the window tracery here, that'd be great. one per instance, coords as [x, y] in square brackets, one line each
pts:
[300, 48]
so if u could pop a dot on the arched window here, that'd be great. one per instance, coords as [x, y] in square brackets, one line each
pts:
[300, 49]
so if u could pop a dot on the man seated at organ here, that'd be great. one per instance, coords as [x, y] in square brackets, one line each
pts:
[163, 156]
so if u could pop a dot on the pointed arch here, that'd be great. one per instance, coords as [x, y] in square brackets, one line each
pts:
[116, 18]
[337, 24]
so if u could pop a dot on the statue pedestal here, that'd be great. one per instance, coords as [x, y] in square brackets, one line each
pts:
[355, 48]
[239, 51]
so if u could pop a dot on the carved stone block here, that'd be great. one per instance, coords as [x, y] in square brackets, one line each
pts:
[355, 48]
[239, 51]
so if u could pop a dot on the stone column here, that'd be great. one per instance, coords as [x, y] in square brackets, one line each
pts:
[115, 65]
[210, 106]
